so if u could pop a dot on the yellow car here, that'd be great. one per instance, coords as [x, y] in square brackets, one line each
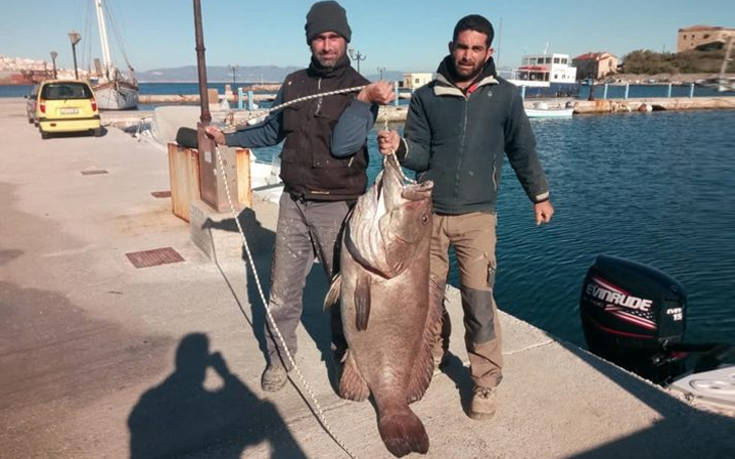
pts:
[66, 106]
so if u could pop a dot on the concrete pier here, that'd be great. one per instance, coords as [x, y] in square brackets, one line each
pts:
[100, 358]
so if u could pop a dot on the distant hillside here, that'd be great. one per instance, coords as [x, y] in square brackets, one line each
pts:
[648, 62]
[250, 74]
[265, 73]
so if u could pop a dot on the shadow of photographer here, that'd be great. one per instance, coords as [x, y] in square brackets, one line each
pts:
[181, 416]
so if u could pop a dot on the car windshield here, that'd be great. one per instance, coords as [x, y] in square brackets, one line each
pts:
[57, 91]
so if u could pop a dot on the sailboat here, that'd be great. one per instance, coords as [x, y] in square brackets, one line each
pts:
[112, 89]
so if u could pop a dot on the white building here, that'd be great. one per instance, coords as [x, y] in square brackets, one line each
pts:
[416, 80]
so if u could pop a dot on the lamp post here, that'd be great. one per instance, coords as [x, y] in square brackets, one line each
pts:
[75, 37]
[233, 69]
[356, 55]
[380, 71]
[53, 62]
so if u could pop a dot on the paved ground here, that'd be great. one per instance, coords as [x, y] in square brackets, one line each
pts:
[100, 359]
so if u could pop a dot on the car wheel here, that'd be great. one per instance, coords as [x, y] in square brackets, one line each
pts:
[99, 132]
[30, 120]
[44, 134]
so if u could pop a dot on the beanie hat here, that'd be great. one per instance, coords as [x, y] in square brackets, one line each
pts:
[325, 17]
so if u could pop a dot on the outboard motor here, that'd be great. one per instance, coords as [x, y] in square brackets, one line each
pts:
[634, 316]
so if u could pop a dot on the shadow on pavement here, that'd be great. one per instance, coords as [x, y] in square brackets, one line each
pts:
[182, 417]
[315, 320]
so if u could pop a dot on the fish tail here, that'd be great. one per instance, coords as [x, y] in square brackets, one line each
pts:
[402, 432]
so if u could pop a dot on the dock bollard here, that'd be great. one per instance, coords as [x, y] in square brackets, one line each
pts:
[251, 106]
[691, 90]
[604, 91]
[627, 90]
[395, 89]
[669, 92]
[240, 97]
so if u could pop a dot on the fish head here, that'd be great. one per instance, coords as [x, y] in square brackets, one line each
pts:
[390, 222]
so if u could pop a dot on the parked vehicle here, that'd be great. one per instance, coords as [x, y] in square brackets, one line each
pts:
[31, 100]
[67, 106]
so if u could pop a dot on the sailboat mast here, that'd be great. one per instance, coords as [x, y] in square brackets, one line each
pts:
[106, 60]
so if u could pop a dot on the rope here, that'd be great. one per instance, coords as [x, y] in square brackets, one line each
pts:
[316, 407]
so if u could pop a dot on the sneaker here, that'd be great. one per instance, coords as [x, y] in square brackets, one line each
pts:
[274, 377]
[483, 403]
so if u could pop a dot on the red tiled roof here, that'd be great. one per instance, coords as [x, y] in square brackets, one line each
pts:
[591, 55]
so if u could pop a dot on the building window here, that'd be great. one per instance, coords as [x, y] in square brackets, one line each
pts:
[556, 60]
[416, 80]
[685, 37]
[548, 60]
[705, 36]
[564, 60]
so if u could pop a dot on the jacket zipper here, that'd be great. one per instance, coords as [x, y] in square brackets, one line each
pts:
[319, 101]
[457, 177]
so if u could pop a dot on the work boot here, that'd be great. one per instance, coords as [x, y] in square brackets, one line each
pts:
[483, 403]
[274, 377]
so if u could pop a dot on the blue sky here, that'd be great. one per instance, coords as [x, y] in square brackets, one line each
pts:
[398, 35]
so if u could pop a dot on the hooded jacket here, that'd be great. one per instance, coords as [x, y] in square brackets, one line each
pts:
[458, 139]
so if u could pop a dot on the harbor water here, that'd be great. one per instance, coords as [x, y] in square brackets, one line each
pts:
[655, 188]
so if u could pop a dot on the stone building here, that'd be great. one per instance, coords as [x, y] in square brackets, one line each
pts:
[595, 65]
[703, 37]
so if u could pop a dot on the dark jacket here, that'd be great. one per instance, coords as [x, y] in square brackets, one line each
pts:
[308, 167]
[458, 140]
[325, 155]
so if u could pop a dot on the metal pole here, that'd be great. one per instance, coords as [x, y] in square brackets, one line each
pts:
[75, 37]
[240, 96]
[523, 92]
[691, 90]
[668, 94]
[205, 116]
[604, 91]
[627, 90]
[251, 105]
[395, 88]
[53, 60]
[592, 90]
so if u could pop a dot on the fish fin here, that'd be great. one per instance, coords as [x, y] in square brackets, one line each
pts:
[423, 368]
[362, 302]
[352, 386]
[402, 432]
[333, 294]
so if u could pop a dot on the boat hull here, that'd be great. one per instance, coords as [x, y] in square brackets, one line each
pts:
[116, 96]
[549, 112]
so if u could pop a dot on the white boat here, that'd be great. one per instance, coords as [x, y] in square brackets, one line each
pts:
[542, 110]
[112, 89]
[547, 75]
[714, 389]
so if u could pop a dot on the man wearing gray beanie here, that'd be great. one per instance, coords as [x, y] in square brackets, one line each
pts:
[323, 168]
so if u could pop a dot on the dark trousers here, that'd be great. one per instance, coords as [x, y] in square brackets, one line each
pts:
[305, 229]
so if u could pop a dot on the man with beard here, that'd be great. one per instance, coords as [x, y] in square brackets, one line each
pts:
[458, 128]
[323, 164]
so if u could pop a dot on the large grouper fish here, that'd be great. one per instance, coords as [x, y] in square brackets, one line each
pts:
[383, 291]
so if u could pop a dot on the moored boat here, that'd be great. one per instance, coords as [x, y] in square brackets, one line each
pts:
[112, 89]
[547, 75]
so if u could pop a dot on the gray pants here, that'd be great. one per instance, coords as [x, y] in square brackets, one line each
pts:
[305, 229]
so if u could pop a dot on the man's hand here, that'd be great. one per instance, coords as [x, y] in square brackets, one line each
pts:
[544, 211]
[388, 142]
[380, 92]
[216, 134]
